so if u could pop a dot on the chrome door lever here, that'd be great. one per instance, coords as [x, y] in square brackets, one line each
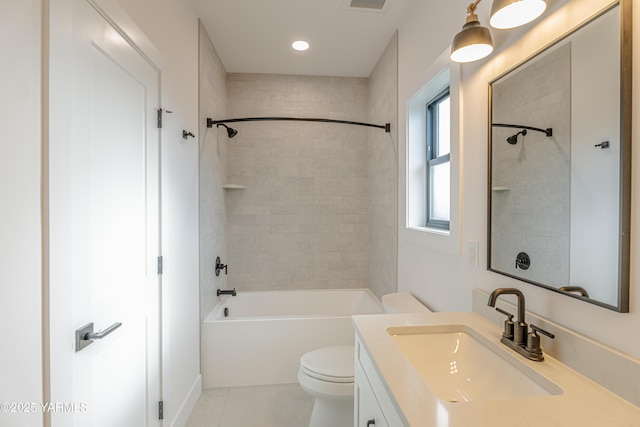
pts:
[101, 334]
[85, 335]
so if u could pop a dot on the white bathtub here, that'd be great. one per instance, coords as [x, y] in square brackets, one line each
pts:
[265, 333]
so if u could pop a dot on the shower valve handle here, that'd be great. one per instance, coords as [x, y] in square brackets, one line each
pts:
[220, 266]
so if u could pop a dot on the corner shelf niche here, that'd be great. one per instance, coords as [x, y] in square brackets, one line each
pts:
[234, 187]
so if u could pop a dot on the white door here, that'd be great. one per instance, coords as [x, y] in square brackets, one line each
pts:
[104, 187]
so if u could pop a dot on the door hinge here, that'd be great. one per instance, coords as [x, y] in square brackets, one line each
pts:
[159, 265]
[160, 111]
[161, 410]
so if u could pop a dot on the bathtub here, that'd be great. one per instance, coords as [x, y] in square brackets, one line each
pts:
[261, 339]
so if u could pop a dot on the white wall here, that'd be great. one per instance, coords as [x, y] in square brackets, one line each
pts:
[20, 227]
[444, 280]
[172, 26]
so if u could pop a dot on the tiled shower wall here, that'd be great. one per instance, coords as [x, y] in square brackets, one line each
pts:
[319, 209]
[303, 220]
[213, 170]
[383, 173]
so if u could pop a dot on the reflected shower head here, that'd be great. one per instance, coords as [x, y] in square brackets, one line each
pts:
[231, 132]
[513, 139]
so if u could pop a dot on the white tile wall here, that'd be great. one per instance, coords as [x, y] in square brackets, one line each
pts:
[303, 221]
[320, 206]
[383, 173]
[212, 173]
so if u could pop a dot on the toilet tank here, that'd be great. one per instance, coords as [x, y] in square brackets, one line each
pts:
[402, 302]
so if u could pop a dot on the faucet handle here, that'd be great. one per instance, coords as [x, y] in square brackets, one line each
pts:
[220, 266]
[542, 331]
[533, 340]
[506, 313]
[508, 324]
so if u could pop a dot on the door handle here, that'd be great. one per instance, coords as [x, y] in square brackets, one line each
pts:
[101, 334]
[85, 335]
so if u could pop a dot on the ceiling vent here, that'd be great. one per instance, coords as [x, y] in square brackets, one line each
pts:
[367, 5]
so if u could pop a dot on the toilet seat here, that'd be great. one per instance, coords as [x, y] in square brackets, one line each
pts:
[331, 364]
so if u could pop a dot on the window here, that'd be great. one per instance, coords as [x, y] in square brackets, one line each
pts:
[432, 168]
[438, 134]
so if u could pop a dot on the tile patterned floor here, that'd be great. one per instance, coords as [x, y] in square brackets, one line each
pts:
[283, 405]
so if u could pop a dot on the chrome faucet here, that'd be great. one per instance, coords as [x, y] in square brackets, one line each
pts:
[517, 336]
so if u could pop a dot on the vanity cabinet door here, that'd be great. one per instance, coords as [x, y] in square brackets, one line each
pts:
[367, 411]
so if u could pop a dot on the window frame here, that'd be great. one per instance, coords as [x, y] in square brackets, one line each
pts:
[432, 157]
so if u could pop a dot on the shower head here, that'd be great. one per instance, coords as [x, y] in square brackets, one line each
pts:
[513, 139]
[231, 132]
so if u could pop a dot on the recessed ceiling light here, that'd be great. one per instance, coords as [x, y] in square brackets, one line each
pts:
[300, 45]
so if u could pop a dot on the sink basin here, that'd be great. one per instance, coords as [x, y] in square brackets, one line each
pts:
[460, 365]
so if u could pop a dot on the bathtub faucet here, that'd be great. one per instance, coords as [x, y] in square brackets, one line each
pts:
[231, 292]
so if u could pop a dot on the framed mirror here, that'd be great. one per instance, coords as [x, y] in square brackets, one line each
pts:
[560, 164]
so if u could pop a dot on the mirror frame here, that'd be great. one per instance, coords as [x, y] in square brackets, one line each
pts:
[624, 242]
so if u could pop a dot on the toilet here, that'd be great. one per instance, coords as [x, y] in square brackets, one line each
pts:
[327, 373]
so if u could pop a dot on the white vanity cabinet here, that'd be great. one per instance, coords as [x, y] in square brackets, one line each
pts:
[373, 406]
[367, 411]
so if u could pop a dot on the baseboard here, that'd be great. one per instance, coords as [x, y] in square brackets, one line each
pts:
[188, 404]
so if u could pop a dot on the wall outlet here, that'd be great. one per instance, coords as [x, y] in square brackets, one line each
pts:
[472, 253]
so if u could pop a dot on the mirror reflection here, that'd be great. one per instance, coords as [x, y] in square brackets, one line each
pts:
[557, 152]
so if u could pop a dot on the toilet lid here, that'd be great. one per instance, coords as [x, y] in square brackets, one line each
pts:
[333, 364]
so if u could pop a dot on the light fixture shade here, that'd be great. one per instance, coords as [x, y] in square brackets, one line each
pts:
[514, 13]
[472, 43]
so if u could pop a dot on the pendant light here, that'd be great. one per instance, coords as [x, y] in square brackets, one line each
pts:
[514, 13]
[474, 41]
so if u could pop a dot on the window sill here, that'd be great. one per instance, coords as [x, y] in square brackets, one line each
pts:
[430, 230]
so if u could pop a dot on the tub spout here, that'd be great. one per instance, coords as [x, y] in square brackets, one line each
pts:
[231, 292]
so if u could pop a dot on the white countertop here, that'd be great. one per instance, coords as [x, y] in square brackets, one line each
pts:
[582, 403]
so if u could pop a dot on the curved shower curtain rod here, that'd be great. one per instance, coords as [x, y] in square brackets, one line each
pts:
[547, 131]
[211, 123]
